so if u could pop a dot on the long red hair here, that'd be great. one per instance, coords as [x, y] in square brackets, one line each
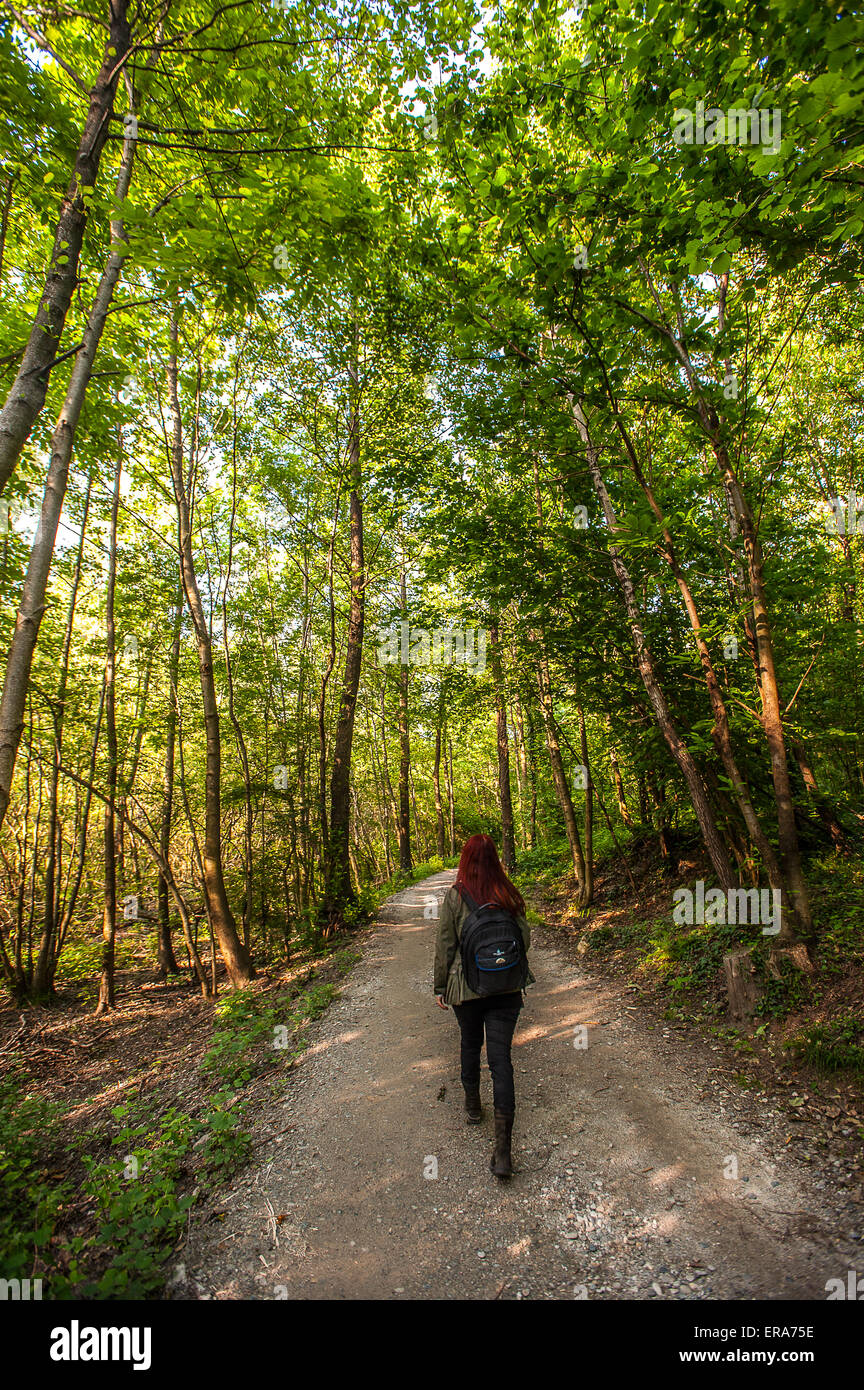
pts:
[482, 875]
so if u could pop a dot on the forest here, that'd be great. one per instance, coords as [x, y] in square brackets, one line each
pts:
[417, 420]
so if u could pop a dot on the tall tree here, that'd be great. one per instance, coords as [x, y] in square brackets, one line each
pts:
[234, 953]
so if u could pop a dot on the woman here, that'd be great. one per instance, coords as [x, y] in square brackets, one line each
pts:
[481, 877]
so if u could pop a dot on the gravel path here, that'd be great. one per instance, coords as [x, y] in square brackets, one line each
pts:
[621, 1151]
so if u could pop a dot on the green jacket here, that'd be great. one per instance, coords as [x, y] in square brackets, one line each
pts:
[448, 978]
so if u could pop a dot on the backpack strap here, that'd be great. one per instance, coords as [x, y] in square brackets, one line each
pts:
[474, 906]
[466, 897]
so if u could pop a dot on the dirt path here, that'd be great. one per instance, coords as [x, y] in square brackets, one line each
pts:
[620, 1151]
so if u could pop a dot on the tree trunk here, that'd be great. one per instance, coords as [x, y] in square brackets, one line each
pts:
[588, 894]
[166, 961]
[32, 606]
[531, 756]
[559, 775]
[46, 961]
[109, 911]
[547, 713]
[325, 681]
[772, 717]
[721, 733]
[382, 806]
[304, 836]
[741, 989]
[418, 834]
[698, 793]
[508, 844]
[219, 912]
[658, 796]
[821, 802]
[232, 713]
[623, 809]
[440, 829]
[392, 809]
[404, 752]
[522, 775]
[339, 893]
[74, 885]
[27, 394]
[451, 798]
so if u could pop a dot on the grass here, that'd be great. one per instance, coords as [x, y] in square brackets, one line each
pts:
[831, 1047]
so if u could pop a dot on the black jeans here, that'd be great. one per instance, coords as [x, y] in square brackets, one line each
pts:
[498, 1014]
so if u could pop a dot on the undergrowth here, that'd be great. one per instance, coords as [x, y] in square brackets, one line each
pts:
[110, 1235]
[684, 962]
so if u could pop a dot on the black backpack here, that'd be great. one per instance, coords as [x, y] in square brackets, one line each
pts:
[494, 960]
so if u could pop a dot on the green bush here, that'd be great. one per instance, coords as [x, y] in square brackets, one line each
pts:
[601, 938]
[29, 1203]
[81, 958]
[547, 861]
[783, 989]
[244, 1028]
[141, 1213]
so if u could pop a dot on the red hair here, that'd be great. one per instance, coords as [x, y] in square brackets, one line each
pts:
[481, 874]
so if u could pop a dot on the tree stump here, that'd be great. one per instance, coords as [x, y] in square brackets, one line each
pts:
[796, 952]
[741, 988]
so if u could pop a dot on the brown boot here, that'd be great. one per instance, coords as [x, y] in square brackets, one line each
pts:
[473, 1108]
[500, 1162]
